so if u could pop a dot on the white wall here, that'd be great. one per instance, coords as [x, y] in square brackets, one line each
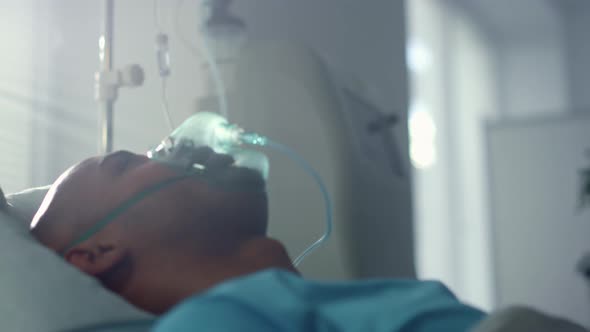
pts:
[529, 48]
[16, 87]
[540, 233]
[65, 59]
[459, 91]
[434, 250]
[489, 60]
[373, 51]
[363, 40]
[534, 77]
[473, 98]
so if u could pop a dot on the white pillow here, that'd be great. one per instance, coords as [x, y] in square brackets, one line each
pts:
[24, 205]
[41, 292]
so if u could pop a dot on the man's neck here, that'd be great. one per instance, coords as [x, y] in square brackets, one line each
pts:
[174, 280]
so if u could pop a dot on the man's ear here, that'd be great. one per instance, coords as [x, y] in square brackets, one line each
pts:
[95, 259]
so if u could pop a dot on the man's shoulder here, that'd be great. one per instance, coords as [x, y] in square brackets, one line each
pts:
[262, 300]
[227, 307]
[276, 285]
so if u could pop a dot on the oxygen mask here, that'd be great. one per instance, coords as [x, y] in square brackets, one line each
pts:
[181, 149]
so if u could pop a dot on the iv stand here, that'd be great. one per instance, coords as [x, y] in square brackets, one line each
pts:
[105, 54]
[108, 80]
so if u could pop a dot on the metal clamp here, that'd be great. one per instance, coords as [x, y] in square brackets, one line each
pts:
[107, 83]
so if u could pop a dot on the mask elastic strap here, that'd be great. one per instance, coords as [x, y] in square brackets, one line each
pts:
[122, 208]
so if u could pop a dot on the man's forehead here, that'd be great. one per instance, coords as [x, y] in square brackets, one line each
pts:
[70, 188]
[78, 175]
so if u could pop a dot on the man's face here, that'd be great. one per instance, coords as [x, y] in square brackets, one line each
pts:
[200, 219]
[87, 192]
[95, 186]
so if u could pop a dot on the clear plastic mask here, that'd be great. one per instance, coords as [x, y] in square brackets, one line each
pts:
[210, 130]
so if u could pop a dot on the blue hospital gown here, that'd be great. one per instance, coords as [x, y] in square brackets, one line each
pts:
[276, 300]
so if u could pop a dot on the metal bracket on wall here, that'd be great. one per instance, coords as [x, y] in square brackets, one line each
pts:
[585, 185]
[2, 199]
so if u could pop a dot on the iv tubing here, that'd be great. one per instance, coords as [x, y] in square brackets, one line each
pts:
[165, 107]
[164, 82]
[157, 20]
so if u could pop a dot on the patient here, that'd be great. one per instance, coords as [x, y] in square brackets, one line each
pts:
[197, 253]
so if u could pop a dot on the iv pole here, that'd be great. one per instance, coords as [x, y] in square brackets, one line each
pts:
[108, 80]
[105, 55]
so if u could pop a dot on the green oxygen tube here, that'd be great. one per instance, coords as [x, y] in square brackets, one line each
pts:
[213, 130]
